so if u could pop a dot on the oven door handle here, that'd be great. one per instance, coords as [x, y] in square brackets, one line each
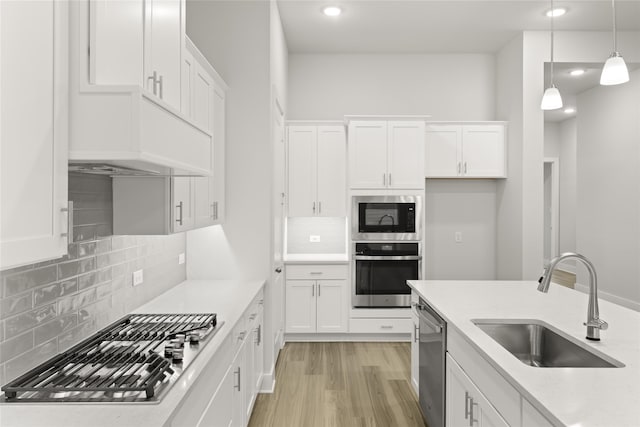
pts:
[387, 258]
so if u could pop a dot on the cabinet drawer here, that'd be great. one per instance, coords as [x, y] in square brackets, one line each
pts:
[317, 272]
[391, 326]
[254, 309]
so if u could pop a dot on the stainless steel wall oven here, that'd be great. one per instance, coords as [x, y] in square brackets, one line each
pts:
[381, 271]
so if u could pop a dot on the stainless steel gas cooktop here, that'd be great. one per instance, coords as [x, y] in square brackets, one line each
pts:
[136, 359]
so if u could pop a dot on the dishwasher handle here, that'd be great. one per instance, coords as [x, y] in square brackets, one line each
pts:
[426, 318]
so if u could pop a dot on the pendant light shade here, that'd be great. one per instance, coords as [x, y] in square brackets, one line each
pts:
[615, 70]
[551, 100]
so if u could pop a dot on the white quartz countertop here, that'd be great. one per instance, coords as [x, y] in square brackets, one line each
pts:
[570, 396]
[316, 259]
[228, 298]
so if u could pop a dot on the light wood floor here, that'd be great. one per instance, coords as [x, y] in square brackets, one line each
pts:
[340, 384]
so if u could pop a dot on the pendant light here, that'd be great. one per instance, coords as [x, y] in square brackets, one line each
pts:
[551, 100]
[615, 70]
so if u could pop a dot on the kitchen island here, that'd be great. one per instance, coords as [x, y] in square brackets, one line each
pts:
[228, 298]
[564, 396]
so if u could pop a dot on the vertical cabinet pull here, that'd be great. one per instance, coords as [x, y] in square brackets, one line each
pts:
[468, 408]
[314, 208]
[69, 233]
[258, 334]
[313, 290]
[161, 84]
[179, 219]
[384, 179]
[318, 289]
[237, 372]
[319, 208]
[466, 405]
[154, 82]
[416, 335]
[215, 210]
[465, 168]
[389, 179]
[459, 167]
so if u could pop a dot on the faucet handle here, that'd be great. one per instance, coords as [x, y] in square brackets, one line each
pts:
[597, 323]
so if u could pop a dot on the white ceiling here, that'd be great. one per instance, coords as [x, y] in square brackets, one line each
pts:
[429, 26]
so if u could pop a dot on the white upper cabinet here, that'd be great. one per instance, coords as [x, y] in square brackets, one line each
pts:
[406, 155]
[33, 131]
[163, 41]
[465, 151]
[317, 170]
[386, 154]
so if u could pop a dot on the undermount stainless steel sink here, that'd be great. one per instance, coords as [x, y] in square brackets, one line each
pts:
[538, 344]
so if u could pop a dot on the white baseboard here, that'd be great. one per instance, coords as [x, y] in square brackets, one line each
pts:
[611, 298]
[347, 337]
[268, 383]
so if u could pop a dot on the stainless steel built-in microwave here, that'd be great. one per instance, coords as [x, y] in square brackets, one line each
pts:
[386, 218]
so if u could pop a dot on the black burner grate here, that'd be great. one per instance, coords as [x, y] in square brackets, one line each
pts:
[123, 362]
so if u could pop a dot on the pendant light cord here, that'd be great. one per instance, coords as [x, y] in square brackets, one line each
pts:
[551, 43]
[615, 32]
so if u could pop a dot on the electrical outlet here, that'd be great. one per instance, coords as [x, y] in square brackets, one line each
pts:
[181, 259]
[458, 236]
[138, 277]
[314, 238]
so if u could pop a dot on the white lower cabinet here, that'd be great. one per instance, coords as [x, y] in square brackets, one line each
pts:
[317, 299]
[225, 394]
[466, 405]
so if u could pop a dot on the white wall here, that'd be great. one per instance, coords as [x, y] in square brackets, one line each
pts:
[608, 188]
[552, 139]
[468, 207]
[567, 149]
[448, 87]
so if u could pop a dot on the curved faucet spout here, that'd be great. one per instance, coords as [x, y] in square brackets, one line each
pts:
[594, 324]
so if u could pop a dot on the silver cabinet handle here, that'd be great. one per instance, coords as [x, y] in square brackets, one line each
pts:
[465, 168]
[389, 179]
[179, 207]
[313, 290]
[386, 327]
[154, 81]
[315, 272]
[215, 210]
[241, 335]
[237, 372]
[459, 167]
[314, 208]
[253, 316]
[384, 179]
[69, 233]
[319, 208]
[318, 289]
[258, 334]
[467, 412]
[161, 83]
[416, 335]
[212, 214]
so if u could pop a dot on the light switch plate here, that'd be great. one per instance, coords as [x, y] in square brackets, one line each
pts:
[181, 259]
[314, 238]
[138, 277]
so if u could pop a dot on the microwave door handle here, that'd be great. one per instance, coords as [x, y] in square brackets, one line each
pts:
[387, 258]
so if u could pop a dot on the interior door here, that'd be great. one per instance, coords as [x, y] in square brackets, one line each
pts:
[279, 203]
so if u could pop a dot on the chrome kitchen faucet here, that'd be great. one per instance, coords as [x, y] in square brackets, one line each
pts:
[594, 324]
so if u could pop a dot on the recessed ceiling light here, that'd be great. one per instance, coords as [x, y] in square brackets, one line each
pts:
[332, 11]
[577, 72]
[559, 11]
[569, 110]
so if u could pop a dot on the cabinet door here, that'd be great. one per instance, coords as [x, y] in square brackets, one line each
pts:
[300, 306]
[202, 97]
[443, 143]
[415, 351]
[239, 384]
[406, 155]
[483, 151]
[219, 411]
[182, 207]
[217, 193]
[332, 171]
[258, 360]
[368, 154]
[34, 131]
[332, 306]
[302, 171]
[116, 53]
[457, 395]
[163, 46]
[186, 89]
[203, 209]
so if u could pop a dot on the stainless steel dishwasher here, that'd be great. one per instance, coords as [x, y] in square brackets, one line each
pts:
[433, 332]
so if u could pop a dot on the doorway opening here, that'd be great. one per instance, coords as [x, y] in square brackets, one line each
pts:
[551, 207]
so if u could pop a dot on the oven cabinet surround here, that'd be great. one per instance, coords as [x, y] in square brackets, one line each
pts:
[509, 392]
[125, 68]
[465, 150]
[317, 299]
[34, 113]
[317, 172]
[227, 391]
[385, 153]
